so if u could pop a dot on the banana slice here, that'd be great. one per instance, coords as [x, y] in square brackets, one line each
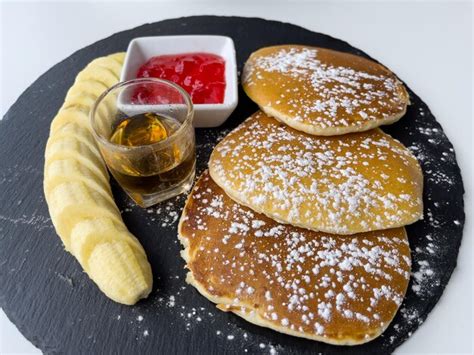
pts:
[119, 58]
[107, 63]
[80, 102]
[91, 87]
[65, 170]
[90, 232]
[122, 273]
[80, 133]
[104, 75]
[71, 147]
[66, 116]
[79, 197]
[72, 202]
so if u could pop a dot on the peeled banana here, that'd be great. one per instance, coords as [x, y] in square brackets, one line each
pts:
[80, 201]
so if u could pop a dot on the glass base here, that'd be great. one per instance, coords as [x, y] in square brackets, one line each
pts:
[148, 200]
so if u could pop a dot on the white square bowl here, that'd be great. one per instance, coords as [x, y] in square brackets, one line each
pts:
[141, 49]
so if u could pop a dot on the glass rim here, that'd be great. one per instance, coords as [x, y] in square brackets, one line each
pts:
[187, 121]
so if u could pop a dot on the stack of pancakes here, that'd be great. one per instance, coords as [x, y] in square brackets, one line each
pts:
[299, 223]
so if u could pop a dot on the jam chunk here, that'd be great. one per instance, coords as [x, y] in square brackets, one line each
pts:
[202, 75]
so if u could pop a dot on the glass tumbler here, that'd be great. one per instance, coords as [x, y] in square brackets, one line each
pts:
[144, 129]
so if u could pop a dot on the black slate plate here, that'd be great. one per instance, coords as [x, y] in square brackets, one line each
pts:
[54, 304]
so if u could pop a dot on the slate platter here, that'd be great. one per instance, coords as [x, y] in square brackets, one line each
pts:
[53, 303]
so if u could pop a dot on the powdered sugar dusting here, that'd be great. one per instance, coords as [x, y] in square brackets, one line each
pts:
[433, 242]
[319, 182]
[300, 280]
[191, 316]
[321, 93]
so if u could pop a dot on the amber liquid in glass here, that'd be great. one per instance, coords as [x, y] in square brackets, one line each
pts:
[158, 170]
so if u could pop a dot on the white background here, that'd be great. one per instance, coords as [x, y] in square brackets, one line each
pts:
[428, 44]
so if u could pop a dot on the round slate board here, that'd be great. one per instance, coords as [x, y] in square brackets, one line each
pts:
[54, 304]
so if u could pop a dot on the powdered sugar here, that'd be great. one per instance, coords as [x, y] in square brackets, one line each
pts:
[313, 90]
[319, 182]
[192, 316]
[301, 280]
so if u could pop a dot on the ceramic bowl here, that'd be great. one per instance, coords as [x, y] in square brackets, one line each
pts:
[141, 49]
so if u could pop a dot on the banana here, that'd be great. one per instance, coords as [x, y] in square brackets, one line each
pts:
[80, 133]
[77, 190]
[91, 232]
[71, 146]
[71, 115]
[88, 87]
[102, 74]
[63, 170]
[79, 101]
[73, 201]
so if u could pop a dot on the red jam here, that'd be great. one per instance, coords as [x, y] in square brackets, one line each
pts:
[202, 75]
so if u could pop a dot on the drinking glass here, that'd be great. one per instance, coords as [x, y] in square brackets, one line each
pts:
[144, 130]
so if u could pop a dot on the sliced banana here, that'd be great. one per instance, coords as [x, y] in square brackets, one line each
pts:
[93, 72]
[65, 116]
[107, 63]
[79, 197]
[91, 87]
[118, 57]
[65, 170]
[73, 201]
[90, 232]
[71, 147]
[82, 103]
[123, 273]
[80, 133]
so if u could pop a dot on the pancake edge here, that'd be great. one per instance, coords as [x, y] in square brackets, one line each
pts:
[316, 130]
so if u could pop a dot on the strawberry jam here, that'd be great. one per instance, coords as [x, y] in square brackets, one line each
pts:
[202, 75]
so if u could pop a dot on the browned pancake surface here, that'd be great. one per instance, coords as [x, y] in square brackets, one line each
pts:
[321, 91]
[346, 184]
[333, 288]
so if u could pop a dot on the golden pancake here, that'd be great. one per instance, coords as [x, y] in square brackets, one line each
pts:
[347, 184]
[337, 289]
[321, 91]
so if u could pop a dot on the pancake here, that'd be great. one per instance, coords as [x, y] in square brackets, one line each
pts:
[342, 290]
[347, 184]
[321, 91]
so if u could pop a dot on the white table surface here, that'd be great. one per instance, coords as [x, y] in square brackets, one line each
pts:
[428, 44]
